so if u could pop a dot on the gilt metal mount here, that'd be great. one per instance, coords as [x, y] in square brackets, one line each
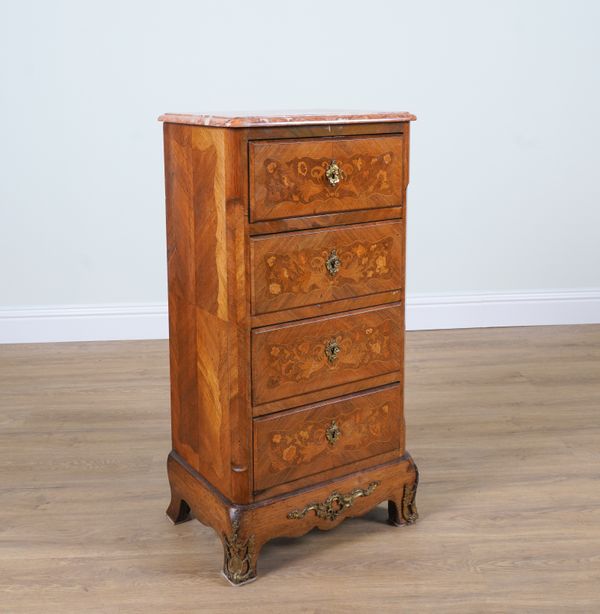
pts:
[335, 505]
[333, 263]
[333, 433]
[334, 173]
[238, 567]
[332, 349]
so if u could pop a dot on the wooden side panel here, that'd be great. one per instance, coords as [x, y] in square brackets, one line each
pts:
[238, 275]
[293, 359]
[182, 301]
[294, 444]
[210, 263]
[291, 270]
[204, 219]
[287, 178]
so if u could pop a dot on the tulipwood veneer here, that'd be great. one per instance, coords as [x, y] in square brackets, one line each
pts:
[286, 260]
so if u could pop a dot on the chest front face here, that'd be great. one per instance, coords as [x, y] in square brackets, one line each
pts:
[286, 295]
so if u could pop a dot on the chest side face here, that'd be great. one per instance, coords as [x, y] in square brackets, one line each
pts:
[310, 176]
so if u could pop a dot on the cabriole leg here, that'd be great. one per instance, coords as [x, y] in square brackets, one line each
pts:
[178, 510]
[404, 510]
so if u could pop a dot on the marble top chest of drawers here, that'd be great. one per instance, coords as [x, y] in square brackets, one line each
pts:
[286, 260]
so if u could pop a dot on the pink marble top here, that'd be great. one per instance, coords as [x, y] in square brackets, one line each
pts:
[292, 118]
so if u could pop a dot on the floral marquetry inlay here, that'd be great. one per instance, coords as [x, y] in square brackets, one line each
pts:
[305, 270]
[302, 268]
[303, 180]
[301, 358]
[321, 353]
[301, 446]
[319, 437]
[310, 176]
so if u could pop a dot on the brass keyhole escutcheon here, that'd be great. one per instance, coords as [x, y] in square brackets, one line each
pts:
[333, 433]
[334, 173]
[332, 349]
[333, 263]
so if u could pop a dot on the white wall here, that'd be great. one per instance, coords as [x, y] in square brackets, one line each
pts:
[505, 190]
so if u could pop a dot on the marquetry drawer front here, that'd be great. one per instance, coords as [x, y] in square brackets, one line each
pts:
[291, 178]
[305, 441]
[319, 353]
[303, 268]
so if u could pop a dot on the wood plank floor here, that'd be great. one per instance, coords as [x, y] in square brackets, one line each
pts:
[503, 423]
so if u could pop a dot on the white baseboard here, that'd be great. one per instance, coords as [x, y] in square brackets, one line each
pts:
[509, 309]
[83, 323]
[149, 321]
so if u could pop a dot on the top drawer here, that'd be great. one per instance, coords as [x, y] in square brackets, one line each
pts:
[290, 178]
